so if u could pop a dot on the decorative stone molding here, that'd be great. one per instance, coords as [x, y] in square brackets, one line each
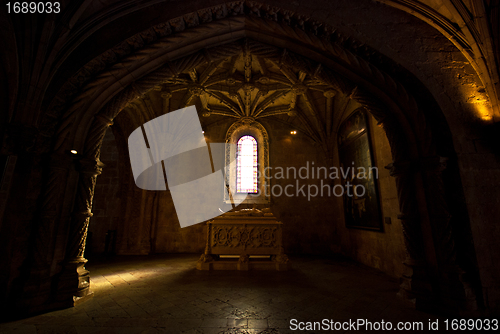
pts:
[74, 281]
[352, 53]
[243, 236]
[94, 141]
[89, 170]
[462, 31]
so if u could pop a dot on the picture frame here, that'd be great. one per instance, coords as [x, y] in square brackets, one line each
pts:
[362, 203]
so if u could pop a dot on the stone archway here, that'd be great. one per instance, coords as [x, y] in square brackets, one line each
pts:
[433, 274]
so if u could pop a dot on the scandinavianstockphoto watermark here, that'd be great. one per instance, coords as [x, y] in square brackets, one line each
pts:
[171, 149]
[352, 181]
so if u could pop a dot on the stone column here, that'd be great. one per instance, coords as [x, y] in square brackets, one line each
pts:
[74, 282]
[433, 280]
[415, 285]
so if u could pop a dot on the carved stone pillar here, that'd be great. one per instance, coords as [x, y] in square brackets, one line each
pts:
[74, 282]
[433, 280]
[415, 284]
[94, 139]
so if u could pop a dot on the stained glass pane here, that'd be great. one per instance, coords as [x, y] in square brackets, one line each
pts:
[246, 165]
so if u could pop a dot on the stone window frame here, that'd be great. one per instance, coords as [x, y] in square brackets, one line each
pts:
[237, 130]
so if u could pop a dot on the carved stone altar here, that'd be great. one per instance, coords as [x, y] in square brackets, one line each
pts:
[248, 239]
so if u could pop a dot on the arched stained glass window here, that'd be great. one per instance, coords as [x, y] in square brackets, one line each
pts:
[246, 165]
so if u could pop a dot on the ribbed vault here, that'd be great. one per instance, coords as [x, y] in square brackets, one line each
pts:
[251, 86]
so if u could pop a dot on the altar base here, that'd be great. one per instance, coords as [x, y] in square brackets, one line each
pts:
[244, 243]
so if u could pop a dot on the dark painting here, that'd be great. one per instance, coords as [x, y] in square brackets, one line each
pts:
[361, 204]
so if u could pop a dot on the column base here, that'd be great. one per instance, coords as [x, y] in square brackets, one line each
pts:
[74, 283]
[80, 300]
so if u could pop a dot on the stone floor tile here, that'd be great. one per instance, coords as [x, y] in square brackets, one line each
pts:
[165, 294]
[214, 322]
[237, 323]
[19, 328]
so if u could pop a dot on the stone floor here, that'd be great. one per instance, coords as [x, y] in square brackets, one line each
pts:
[166, 294]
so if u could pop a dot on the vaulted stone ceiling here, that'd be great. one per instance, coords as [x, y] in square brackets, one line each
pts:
[471, 25]
[247, 86]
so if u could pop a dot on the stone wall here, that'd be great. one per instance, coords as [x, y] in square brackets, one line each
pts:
[309, 220]
[383, 250]
[148, 222]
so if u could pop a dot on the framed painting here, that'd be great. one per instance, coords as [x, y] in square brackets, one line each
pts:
[361, 197]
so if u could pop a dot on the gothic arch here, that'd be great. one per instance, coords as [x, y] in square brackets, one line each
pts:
[90, 101]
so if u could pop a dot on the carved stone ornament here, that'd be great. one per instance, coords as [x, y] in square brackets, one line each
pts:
[244, 236]
[353, 53]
